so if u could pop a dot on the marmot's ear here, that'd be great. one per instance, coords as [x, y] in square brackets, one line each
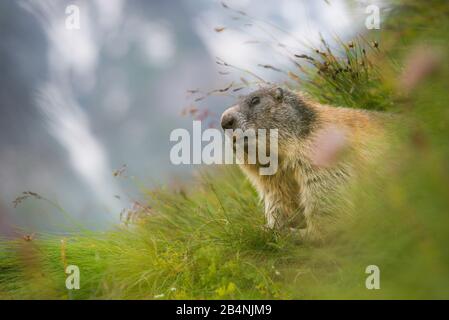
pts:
[279, 94]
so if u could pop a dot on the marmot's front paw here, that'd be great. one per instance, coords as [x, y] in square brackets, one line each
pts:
[311, 235]
[296, 235]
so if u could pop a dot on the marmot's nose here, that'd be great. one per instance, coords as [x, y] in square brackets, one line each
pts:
[227, 120]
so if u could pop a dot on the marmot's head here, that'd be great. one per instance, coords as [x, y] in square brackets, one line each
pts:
[271, 108]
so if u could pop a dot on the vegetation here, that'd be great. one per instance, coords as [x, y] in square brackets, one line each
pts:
[210, 242]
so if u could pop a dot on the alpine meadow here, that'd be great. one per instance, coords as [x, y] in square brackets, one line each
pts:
[207, 239]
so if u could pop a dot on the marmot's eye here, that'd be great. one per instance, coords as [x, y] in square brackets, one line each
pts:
[255, 101]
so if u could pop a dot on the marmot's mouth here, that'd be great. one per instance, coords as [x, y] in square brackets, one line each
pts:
[247, 145]
[234, 144]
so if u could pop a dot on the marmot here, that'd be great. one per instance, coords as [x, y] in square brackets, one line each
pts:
[303, 192]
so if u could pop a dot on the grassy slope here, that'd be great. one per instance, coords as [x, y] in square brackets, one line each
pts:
[211, 242]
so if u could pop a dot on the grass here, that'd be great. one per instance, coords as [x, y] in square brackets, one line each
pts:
[198, 246]
[210, 242]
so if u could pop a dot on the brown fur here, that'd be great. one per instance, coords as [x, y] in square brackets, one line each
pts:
[302, 194]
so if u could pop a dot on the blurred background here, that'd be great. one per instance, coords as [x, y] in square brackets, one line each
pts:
[77, 104]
